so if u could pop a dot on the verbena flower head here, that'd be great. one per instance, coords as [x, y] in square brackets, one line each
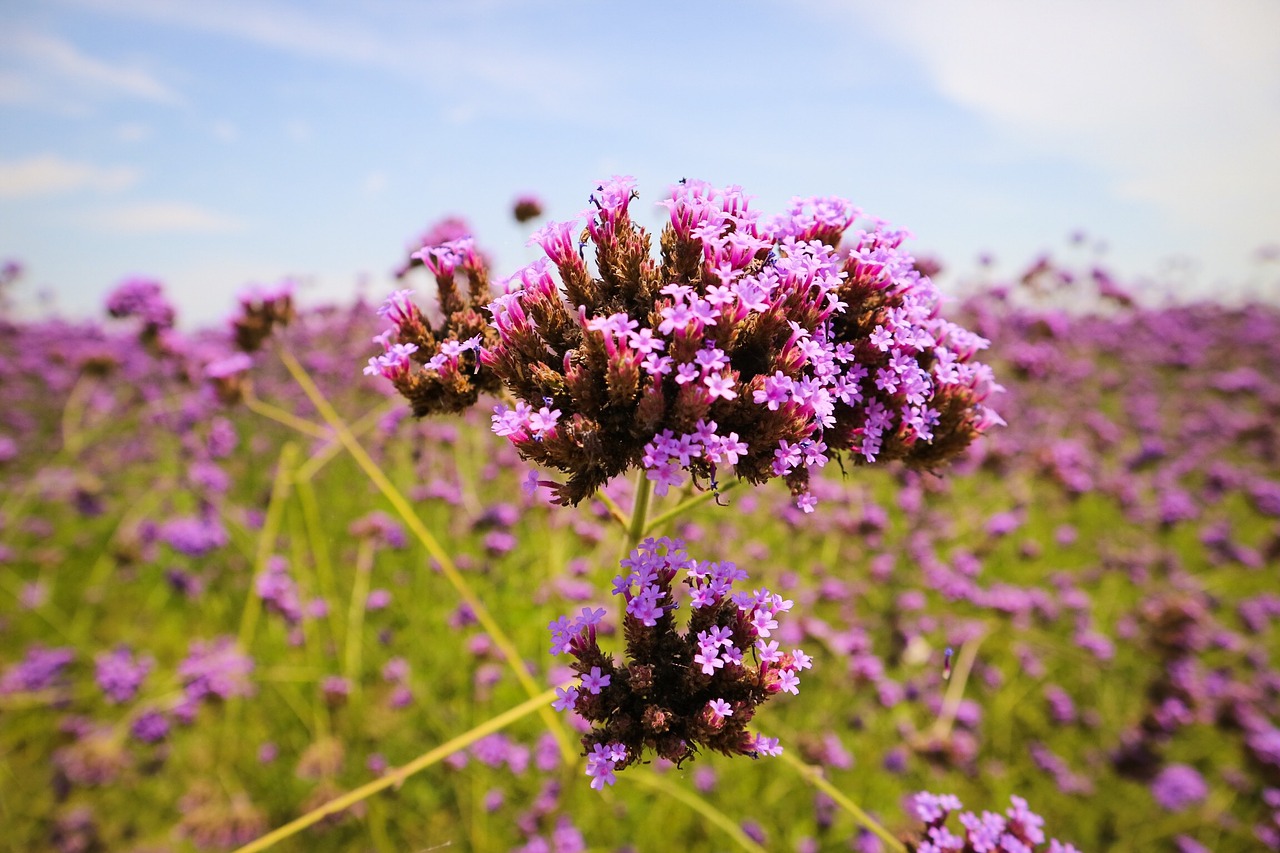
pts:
[119, 673]
[526, 206]
[441, 232]
[437, 369]
[752, 344]
[39, 669]
[144, 299]
[262, 309]
[1018, 830]
[678, 691]
[216, 669]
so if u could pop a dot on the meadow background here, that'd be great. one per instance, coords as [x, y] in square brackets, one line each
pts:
[216, 616]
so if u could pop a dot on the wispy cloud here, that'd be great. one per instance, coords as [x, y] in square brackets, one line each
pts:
[425, 44]
[162, 218]
[46, 70]
[48, 174]
[1173, 100]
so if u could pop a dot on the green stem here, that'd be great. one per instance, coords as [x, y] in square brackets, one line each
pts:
[635, 529]
[442, 558]
[726, 824]
[814, 776]
[106, 564]
[397, 777]
[325, 454]
[355, 613]
[615, 511]
[639, 512]
[685, 506]
[319, 551]
[267, 541]
[955, 689]
[73, 413]
[279, 415]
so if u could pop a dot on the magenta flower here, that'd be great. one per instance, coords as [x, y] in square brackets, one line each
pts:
[679, 691]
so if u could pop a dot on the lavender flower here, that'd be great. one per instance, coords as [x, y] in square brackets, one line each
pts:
[444, 231]
[120, 673]
[142, 298]
[437, 369]
[194, 536]
[150, 727]
[1178, 787]
[1018, 830]
[278, 591]
[262, 309]
[39, 669]
[215, 669]
[753, 345]
[677, 692]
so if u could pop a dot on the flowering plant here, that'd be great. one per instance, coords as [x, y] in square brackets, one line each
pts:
[757, 344]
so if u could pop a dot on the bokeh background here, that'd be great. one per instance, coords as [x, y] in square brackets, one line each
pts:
[215, 144]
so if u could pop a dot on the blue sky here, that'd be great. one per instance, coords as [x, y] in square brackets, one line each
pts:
[215, 144]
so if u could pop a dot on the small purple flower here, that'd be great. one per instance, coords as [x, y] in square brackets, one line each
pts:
[40, 669]
[1178, 787]
[119, 673]
[601, 762]
[215, 669]
[593, 682]
[150, 727]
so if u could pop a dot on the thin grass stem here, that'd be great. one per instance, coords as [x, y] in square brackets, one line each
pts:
[813, 775]
[719, 819]
[955, 689]
[684, 506]
[289, 419]
[442, 558]
[355, 613]
[397, 777]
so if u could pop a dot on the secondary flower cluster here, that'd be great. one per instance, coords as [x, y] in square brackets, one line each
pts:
[754, 343]
[144, 299]
[1019, 830]
[437, 369]
[262, 308]
[678, 691]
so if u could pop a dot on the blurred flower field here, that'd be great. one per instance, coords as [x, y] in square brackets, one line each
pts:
[239, 580]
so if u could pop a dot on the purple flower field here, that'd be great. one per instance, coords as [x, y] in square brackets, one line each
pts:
[707, 539]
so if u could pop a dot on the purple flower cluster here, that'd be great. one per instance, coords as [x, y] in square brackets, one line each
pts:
[39, 669]
[526, 207]
[677, 692]
[1018, 830]
[216, 669]
[437, 369]
[1178, 787]
[262, 309]
[142, 298]
[227, 374]
[194, 536]
[444, 231]
[756, 344]
[278, 591]
[120, 673]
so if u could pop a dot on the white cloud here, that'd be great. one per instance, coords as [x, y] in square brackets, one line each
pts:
[1175, 101]
[51, 71]
[48, 174]
[417, 42]
[162, 218]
